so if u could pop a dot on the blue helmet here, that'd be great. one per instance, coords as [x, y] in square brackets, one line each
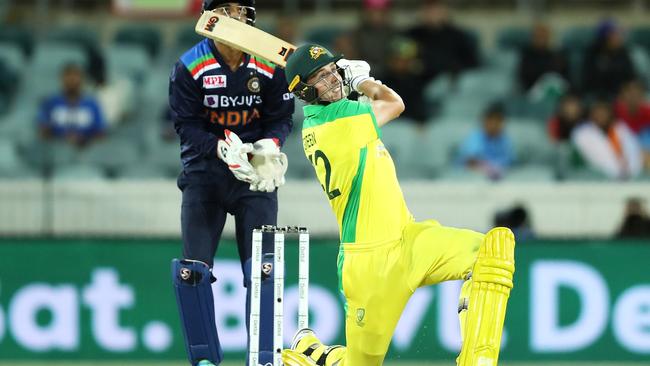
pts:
[249, 4]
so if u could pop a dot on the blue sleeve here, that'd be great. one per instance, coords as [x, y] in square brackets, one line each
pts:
[188, 113]
[278, 108]
[470, 148]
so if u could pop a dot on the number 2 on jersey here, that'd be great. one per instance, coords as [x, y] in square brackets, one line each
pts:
[318, 154]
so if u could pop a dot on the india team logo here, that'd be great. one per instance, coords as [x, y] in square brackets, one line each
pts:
[254, 84]
[315, 52]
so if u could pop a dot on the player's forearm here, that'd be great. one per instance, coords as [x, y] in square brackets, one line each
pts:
[376, 91]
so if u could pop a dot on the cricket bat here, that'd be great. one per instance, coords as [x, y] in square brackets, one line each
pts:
[244, 37]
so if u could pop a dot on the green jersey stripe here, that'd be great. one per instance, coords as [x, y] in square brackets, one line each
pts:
[352, 207]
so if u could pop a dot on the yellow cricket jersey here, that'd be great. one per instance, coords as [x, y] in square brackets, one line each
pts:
[342, 142]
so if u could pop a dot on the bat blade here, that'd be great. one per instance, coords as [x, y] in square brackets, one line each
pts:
[244, 37]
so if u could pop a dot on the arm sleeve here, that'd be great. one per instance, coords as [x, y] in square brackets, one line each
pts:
[188, 114]
[278, 108]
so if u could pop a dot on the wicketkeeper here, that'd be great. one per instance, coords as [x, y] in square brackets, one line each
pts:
[385, 255]
[232, 112]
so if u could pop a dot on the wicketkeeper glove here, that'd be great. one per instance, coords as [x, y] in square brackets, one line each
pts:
[270, 165]
[355, 72]
[235, 154]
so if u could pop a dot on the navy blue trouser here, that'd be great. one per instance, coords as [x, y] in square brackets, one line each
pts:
[207, 199]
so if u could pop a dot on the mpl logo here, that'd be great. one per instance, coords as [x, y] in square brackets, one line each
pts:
[214, 81]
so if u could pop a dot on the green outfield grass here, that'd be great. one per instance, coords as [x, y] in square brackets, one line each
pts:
[450, 363]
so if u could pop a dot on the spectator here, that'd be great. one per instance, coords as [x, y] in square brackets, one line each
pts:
[488, 149]
[404, 77]
[631, 106]
[371, 37]
[608, 145]
[71, 115]
[568, 115]
[516, 219]
[442, 46]
[636, 223]
[607, 63]
[539, 58]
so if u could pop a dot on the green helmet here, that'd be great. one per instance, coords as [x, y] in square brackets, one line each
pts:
[301, 64]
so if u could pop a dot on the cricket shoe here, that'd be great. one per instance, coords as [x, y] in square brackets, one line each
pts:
[205, 363]
[307, 349]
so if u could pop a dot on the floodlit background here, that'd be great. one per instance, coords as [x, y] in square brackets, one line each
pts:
[532, 114]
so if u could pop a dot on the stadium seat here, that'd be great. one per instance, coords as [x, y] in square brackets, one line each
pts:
[577, 38]
[641, 36]
[186, 37]
[641, 60]
[442, 138]
[404, 141]
[324, 35]
[12, 55]
[146, 37]
[485, 82]
[126, 60]
[513, 38]
[46, 67]
[78, 35]
[529, 173]
[532, 145]
[464, 109]
[78, 172]
[110, 154]
[299, 166]
[20, 37]
[503, 61]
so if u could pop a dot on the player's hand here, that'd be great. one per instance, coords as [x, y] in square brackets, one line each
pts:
[355, 71]
[366, 99]
[235, 154]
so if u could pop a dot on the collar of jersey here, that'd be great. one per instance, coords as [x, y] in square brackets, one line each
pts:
[313, 109]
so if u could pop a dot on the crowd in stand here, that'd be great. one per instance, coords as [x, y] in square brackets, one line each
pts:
[602, 119]
[599, 117]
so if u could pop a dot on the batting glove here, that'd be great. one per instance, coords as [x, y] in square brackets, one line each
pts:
[355, 71]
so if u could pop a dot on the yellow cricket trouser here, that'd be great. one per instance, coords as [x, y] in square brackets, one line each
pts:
[378, 280]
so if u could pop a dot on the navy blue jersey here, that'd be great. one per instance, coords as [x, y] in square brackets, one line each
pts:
[206, 97]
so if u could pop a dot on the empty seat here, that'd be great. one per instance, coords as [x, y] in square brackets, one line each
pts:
[403, 139]
[513, 38]
[486, 82]
[78, 172]
[146, 37]
[577, 38]
[442, 139]
[21, 37]
[130, 61]
[110, 154]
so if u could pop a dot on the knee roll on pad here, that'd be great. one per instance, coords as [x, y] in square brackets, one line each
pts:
[491, 283]
[192, 285]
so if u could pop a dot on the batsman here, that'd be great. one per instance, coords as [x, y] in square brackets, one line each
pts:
[385, 255]
[232, 112]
